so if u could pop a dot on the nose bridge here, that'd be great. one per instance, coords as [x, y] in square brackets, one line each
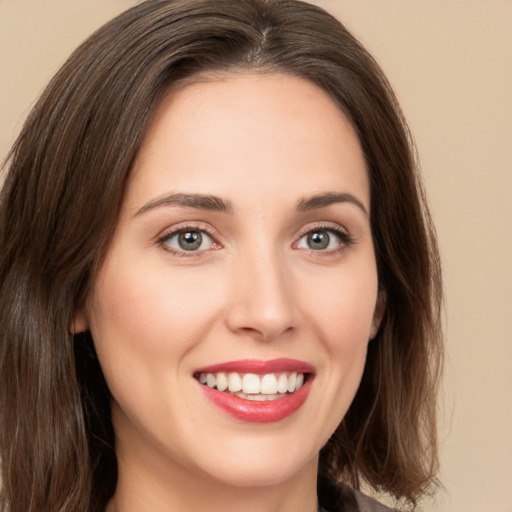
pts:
[263, 303]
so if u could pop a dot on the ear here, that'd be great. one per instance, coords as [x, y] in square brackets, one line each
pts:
[378, 313]
[80, 322]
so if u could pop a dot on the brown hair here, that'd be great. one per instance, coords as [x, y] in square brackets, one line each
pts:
[59, 207]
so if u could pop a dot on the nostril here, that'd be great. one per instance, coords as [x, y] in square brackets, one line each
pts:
[267, 332]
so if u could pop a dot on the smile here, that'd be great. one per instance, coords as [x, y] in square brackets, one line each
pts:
[257, 391]
[250, 386]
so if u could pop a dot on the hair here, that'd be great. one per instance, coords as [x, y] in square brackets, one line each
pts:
[66, 176]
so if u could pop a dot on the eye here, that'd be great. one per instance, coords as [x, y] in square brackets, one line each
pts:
[187, 240]
[323, 240]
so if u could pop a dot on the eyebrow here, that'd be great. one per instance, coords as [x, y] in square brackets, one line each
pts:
[200, 201]
[214, 203]
[326, 199]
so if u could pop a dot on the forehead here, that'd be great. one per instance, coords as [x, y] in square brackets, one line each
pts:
[260, 133]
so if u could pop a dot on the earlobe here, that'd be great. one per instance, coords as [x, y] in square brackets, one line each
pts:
[378, 313]
[80, 322]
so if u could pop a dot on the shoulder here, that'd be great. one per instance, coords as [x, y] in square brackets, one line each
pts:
[367, 504]
[337, 497]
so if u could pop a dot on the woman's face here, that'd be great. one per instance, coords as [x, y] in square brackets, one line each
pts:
[243, 257]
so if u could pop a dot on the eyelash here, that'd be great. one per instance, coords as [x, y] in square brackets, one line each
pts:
[168, 235]
[346, 240]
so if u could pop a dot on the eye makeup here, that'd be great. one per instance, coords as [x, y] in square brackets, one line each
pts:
[189, 240]
[193, 239]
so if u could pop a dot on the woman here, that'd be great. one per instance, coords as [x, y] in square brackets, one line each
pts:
[220, 286]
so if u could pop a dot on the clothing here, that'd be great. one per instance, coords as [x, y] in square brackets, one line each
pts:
[336, 497]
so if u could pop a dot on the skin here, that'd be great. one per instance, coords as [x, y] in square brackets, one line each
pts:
[262, 143]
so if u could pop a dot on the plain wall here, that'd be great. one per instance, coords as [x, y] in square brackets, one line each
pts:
[451, 65]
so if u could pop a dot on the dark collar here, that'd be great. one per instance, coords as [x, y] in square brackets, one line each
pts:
[336, 497]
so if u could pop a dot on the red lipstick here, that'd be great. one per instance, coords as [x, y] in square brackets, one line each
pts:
[259, 366]
[259, 411]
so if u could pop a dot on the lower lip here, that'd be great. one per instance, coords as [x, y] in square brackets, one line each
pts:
[258, 412]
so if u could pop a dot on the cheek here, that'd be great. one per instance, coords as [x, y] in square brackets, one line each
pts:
[346, 338]
[342, 313]
[343, 304]
[340, 308]
[144, 321]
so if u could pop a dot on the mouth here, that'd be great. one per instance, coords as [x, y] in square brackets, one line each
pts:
[257, 391]
[251, 386]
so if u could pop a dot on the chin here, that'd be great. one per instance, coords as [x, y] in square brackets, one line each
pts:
[261, 473]
[259, 463]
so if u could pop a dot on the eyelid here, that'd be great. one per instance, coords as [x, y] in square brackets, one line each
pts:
[175, 230]
[319, 225]
[346, 238]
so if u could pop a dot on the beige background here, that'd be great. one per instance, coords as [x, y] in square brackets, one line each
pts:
[451, 64]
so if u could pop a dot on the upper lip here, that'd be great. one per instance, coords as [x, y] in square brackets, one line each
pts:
[259, 366]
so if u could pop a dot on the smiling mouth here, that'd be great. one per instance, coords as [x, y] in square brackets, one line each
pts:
[252, 386]
[253, 390]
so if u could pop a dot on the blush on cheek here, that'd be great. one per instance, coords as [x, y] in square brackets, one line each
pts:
[152, 321]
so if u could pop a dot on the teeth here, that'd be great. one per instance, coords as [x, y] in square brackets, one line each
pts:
[262, 398]
[269, 384]
[211, 380]
[222, 381]
[292, 379]
[251, 383]
[252, 386]
[282, 383]
[234, 382]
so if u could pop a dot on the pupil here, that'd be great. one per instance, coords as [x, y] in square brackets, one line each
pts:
[318, 240]
[190, 240]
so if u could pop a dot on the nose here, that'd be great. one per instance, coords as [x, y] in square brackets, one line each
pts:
[262, 304]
